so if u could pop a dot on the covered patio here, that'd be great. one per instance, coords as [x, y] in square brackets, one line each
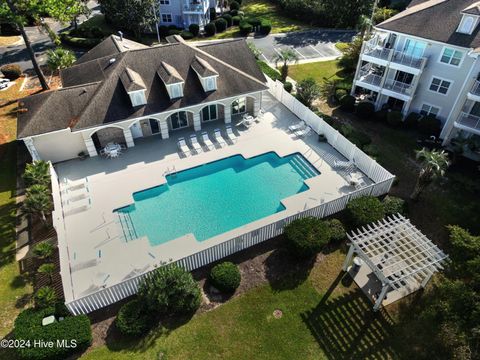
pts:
[393, 259]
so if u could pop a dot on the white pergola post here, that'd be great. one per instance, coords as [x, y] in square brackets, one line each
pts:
[227, 113]
[31, 148]
[256, 106]
[348, 259]
[164, 129]
[379, 301]
[197, 126]
[426, 280]
[128, 137]
[92, 151]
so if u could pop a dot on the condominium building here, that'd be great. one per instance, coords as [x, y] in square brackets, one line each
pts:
[425, 60]
[182, 13]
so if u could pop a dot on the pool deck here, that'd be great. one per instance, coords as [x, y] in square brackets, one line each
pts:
[99, 255]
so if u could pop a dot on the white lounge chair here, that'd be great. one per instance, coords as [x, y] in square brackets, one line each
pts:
[230, 135]
[196, 146]
[355, 180]
[219, 138]
[207, 142]
[183, 147]
[342, 164]
[297, 126]
[247, 122]
[303, 132]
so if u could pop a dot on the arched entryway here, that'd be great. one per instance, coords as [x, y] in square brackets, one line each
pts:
[212, 112]
[145, 127]
[180, 120]
[243, 105]
[107, 135]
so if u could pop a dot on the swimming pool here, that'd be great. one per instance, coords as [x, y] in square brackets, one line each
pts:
[216, 197]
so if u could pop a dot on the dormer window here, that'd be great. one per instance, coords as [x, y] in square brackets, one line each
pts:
[138, 98]
[172, 80]
[134, 86]
[206, 74]
[467, 24]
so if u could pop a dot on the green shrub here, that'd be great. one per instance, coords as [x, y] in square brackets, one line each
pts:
[337, 230]
[213, 14]
[236, 20]
[245, 27]
[172, 32]
[265, 27]
[364, 210]
[133, 318]
[365, 110]
[187, 35]
[28, 328]
[174, 27]
[45, 297]
[288, 86]
[210, 29]
[225, 277]
[233, 12]
[371, 150]
[360, 139]
[11, 71]
[43, 250]
[340, 93]
[269, 71]
[194, 29]
[163, 31]
[241, 13]
[254, 21]
[307, 236]
[381, 115]
[394, 118]
[411, 121]
[81, 42]
[394, 205]
[228, 19]
[429, 125]
[170, 290]
[220, 25]
[37, 172]
[347, 103]
[234, 5]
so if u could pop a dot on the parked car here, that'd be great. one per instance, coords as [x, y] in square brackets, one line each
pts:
[4, 83]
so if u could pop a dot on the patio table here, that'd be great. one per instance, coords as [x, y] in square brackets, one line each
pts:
[112, 150]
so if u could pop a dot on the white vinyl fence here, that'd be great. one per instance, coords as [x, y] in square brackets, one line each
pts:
[382, 182]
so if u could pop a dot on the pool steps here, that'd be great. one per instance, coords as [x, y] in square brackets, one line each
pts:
[127, 226]
[302, 167]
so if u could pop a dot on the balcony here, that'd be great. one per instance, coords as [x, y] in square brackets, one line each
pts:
[402, 59]
[195, 7]
[474, 93]
[468, 122]
[399, 87]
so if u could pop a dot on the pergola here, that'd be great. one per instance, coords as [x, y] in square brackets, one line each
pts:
[400, 256]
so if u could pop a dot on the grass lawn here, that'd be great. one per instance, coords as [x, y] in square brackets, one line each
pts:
[8, 40]
[14, 290]
[321, 319]
[319, 71]
[99, 21]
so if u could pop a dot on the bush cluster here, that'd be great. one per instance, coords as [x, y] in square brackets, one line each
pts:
[337, 230]
[245, 27]
[288, 86]
[187, 35]
[429, 125]
[365, 110]
[269, 71]
[394, 205]
[347, 103]
[220, 25]
[11, 71]
[194, 29]
[265, 27]
[234, 5]
[225, 277]
[210, 29]
[89, 32]
[228, 19]
[133, 318]
[394, 118]
[236, 20]
[81, 42]
[28, 327]
[307, 236]
[364, 210]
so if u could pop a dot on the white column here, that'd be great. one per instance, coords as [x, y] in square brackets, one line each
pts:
[426, 280]
[348, 258]
[197, 126]
[92, 151]
[379, 301]
[31, 149]
[164, 128]
[128, 137]
[227, 113]
[256, 106]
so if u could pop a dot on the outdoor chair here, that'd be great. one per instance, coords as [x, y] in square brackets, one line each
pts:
[230, 134]
[297, 126]
[183, 147]
[219, 138]
[206, 141]
[196, 146]
[302, 133]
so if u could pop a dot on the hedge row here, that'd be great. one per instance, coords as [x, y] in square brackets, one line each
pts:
[79, 41]
[269, 71]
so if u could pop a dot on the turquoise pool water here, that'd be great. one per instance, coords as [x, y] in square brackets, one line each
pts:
[214, 198]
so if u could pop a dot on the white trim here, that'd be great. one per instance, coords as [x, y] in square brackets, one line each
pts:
[439, 60]
[105, 127]
[442, 79]
[166, 21]
[430, 105]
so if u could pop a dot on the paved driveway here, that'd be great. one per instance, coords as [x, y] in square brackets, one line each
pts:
[314, 45]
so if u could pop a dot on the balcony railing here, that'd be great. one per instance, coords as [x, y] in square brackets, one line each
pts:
[469, 121]
[476, 88]
[399, 87]
[378, 52]
[401, 58]
[370, 78]
[371, 48]
[194, 6]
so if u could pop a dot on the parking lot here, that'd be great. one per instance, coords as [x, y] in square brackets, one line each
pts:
[314, 45]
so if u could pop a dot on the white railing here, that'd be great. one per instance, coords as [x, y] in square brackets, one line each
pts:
[369, 78]
[469, 121]
[400, 57]
[398, 87]
[382, 179]
[476, 88]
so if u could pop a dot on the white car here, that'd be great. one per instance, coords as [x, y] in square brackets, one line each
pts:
[4, 83]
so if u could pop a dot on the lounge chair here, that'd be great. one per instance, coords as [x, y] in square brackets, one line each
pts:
[355, 180]
[297, 126]
[219, 138]
[342, 164]
[183, 147]
[247, 122]
[196, 146]
[302, 133]
[206, 141]
[230, 135]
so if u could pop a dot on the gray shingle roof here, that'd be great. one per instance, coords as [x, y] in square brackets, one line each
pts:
[131, 80]
[435, 20]
[202, 67]
[106, 101]
[169, 74]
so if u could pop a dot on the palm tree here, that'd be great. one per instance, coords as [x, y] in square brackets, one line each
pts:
[37, 172]
[38, 201]
[43, 250]
[47, 269]
[60, 58]
[434, 164]
[364, 23]
[45, 297]
[285, 56]
[328, 89]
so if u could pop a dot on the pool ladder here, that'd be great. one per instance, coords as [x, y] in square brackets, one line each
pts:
[172, 171]
[127, 226]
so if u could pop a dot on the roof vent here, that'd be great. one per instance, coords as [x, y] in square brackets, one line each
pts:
[121, 35]
[112, 60]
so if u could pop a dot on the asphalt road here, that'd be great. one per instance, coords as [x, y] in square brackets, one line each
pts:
[313, 45]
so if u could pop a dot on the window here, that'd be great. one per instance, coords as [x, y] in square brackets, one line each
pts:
[209, 113]
[167, 18]
[451, 56]
[210, 84]
[414, 48]
[440, 86]
[164, 2]
[179, 120]
[466, 26]
[429, 109]
[137, 98]
[176, 91]
[239, 106]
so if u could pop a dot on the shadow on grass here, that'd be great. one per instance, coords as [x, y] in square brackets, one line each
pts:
[347, 328]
